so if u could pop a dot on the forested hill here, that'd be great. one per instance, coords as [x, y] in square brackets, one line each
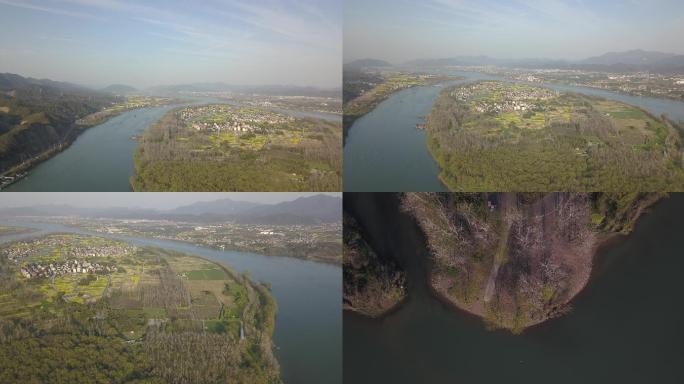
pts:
[38, 116]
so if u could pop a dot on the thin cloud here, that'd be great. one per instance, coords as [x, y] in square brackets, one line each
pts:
[56, 11]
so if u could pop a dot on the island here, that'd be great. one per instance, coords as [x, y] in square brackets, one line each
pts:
[7, 230]
[222, 147]
[79, 308]
[518, 259]
[373, 284]
[501, 136]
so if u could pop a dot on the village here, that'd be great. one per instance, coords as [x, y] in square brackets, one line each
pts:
[497, 97]
[36, 270]
[225, 118]
[65, 254]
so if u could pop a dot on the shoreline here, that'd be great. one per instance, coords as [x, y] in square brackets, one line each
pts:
[348, 120]
[603, 243]
[78, 130]
[393, 308]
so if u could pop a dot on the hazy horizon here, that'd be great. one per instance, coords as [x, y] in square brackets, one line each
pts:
[101, 42]
[145, 200]
[403, 30]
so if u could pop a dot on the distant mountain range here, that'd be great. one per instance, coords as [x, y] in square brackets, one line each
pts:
[304, 210]
[627, 61]
[274, 90]
[366, 63]
[10, 81]
[120, 89]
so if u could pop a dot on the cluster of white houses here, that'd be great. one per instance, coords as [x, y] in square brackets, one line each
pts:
[224, 118]
[35, 270]
[511, 98]
[24, 250]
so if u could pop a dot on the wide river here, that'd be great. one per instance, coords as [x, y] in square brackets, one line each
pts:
[385, 152]
[101, 158]
[625, 327]
[308, 331]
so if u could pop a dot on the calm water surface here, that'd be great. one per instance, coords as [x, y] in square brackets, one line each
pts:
[308, 331]
[625, 327]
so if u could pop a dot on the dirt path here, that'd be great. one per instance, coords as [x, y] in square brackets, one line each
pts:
[507, 202]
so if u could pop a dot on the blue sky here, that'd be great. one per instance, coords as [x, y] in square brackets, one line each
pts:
[400, 30]
[143, 43]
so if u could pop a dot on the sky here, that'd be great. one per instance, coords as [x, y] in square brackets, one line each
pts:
[402, 30]
[147, 200]
[154, 42]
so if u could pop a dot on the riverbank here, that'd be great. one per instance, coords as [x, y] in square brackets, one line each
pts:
[514, 298]
[361, 105]
[78, 128]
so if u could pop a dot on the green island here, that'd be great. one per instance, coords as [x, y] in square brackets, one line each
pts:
[5, 230]
[226, 148]
[87, 309]
[363, 91]
[498, 136]
[373, 284]
[518, 259]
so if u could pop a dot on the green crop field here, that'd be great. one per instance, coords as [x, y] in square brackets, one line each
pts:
[206, 274]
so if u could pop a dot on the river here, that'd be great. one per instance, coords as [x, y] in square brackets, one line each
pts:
[308, 331]
[385, 152]
[625, 327]
[101, 158]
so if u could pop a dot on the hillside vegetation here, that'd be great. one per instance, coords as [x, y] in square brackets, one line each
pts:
[38, 117]
[373, 284]
[495, 136]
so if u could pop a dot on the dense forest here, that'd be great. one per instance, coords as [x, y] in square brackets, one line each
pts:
[38, 117]
[373, 283]
[584, 148]
[517, 259]
[163, 326]
[171, 158]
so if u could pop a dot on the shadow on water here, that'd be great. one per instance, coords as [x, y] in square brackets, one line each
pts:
[625, 327]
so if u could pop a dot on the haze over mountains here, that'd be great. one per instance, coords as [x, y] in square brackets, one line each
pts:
[632, 60]
[11, 81]
[304, 210]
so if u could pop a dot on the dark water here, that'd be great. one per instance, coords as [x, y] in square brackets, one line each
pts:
[308, 331]
[100, 159]
[627, 326]
[385, 152]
